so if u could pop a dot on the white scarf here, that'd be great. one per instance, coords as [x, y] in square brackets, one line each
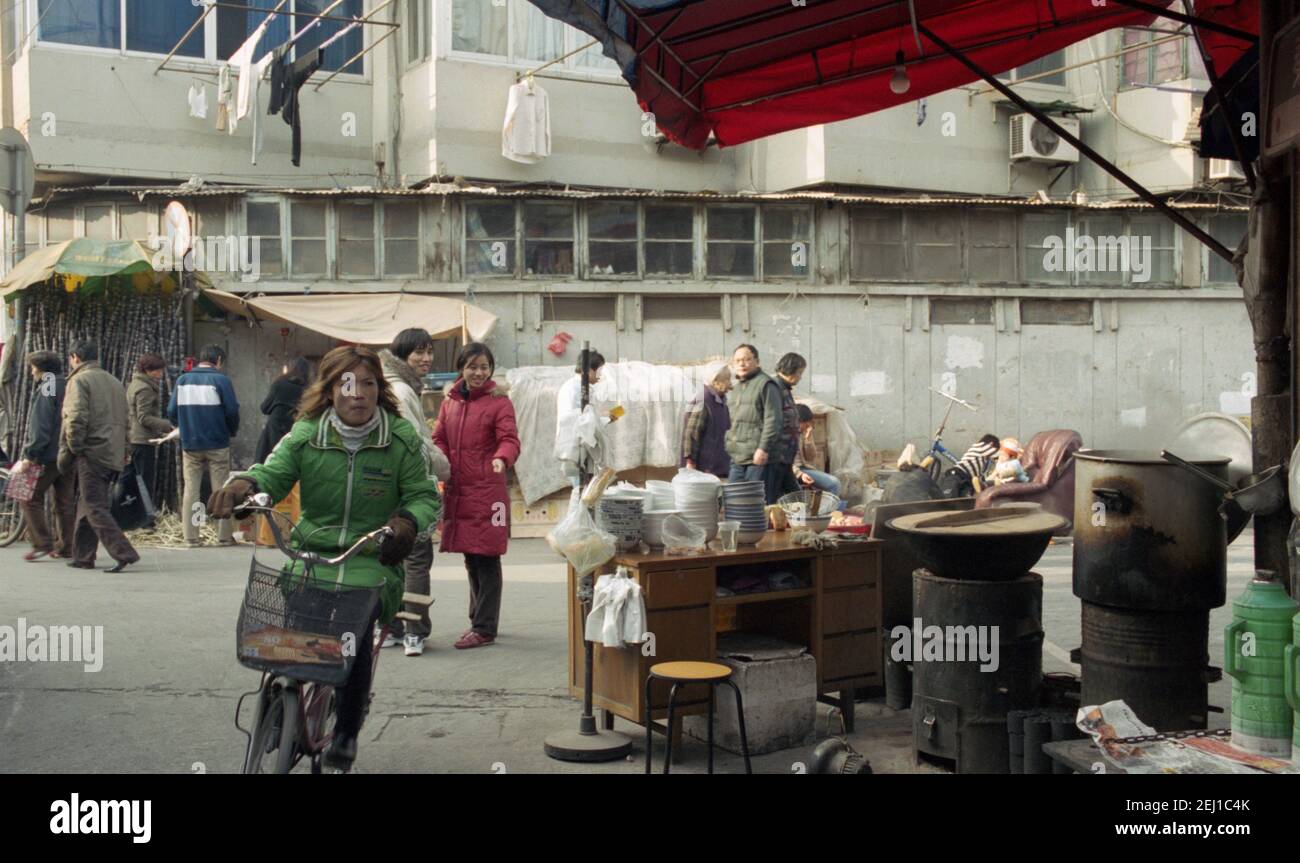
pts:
[353, 437]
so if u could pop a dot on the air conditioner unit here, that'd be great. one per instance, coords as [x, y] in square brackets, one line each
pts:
[1224, 169]
[1032, 140]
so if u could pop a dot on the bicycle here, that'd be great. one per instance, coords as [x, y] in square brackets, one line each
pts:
[933, 460]
[12, 523]
[294, 629]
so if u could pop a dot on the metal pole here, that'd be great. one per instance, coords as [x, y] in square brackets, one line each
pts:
[1141, 191]
[587, 725]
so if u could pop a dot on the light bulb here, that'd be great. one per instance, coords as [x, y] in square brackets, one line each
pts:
[899, 83]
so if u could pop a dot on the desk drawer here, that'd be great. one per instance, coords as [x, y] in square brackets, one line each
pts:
[845, 656]
[850, 610]
[676, 588]
[851, 570]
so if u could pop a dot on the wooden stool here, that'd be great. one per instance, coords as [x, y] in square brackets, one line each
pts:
[679, 673]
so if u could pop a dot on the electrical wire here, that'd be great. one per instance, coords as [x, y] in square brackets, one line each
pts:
[1105, 102]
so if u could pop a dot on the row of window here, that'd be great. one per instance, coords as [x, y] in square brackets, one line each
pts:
[156, 26]
[629, 240]
[943, 311]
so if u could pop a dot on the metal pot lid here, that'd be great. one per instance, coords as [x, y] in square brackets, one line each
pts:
[995, 522]
[1215, 434]
[1293, 481]
[1149, 457]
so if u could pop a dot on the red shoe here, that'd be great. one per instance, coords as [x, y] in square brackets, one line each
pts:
[474, 639]
[34, 555]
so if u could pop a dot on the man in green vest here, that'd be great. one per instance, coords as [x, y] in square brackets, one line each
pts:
[756, 420]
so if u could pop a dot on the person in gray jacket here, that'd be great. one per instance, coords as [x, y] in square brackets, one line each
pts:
[407, 360]
[146, 420]
[42, 453]
[756, 421]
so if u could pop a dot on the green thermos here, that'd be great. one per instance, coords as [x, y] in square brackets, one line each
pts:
[1259, 654]
[1291, 682]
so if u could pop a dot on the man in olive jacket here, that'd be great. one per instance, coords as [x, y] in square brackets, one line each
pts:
[92, 443]
[146, 421]
[756, 420]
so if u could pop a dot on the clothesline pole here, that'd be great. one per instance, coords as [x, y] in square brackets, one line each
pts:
[559, 59]
[354, 57]
[587, 744]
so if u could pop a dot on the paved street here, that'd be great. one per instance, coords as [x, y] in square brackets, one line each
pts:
[164, 700]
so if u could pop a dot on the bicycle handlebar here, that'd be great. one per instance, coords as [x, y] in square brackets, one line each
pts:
[261, 502]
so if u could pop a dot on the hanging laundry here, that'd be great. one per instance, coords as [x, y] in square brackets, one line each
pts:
[921, 110]
[242, 61]
[259, 73]
[526, 135]
[198, 99]
[225, 96]
[295, 76]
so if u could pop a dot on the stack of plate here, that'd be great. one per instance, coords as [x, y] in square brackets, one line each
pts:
[696, 496]
[744, 503]
[652, 526]
[662, 495]
[621, 516]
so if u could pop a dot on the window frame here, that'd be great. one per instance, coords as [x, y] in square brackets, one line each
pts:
[209, 61]
[573, 39]
[381, 236]
[755, 242]
[638, 242]
[283, 211]
[761, 264]
[423, 14]
[1149, 37]
[1009, 76]
[1207, 257]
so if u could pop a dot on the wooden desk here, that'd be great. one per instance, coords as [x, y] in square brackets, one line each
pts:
[837, 616]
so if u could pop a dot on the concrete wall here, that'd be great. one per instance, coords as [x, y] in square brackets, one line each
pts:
[95, 112]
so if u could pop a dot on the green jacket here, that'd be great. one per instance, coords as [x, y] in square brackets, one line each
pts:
[755, 405]
[352, 494]
[94, 418]
[147, 422]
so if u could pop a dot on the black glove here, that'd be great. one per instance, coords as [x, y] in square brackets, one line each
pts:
[232, 494]
[394, 549]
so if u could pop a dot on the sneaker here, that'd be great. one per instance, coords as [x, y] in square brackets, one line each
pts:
[414, 645]
[392, 639]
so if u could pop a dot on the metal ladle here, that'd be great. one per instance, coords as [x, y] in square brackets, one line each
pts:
[1259, 494]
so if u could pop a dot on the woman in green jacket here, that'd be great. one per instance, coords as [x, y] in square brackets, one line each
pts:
[360, 466]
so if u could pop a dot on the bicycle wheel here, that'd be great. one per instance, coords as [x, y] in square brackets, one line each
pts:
[11, 515]
[271, 748]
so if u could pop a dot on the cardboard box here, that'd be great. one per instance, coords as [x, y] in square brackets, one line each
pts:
[778, 685]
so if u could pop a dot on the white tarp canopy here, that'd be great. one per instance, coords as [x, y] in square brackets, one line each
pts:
[650, 434]
[364, 319]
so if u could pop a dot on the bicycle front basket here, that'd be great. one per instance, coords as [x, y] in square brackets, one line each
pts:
[294, 625]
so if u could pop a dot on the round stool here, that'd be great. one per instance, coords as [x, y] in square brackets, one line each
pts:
[682, 673]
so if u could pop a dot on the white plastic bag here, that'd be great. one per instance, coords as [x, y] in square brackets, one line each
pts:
[576, 537]
[634, 623]
[680, 535]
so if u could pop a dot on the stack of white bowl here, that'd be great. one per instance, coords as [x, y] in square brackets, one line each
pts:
[621, 516]
[662, 496]
[744, 502]
[696, 495]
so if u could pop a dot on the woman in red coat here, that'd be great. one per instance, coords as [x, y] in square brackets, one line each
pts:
[476, 430]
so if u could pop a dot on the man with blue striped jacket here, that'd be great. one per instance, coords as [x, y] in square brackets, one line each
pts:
[203, 406]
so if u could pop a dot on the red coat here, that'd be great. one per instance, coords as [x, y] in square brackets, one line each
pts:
[476, 503]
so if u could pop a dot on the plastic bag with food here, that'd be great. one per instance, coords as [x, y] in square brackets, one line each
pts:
[583, 545]
[682, 537]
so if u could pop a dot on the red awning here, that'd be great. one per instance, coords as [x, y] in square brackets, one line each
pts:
[743, 69]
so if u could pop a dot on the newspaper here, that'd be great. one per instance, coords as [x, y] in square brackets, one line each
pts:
[1130, 744]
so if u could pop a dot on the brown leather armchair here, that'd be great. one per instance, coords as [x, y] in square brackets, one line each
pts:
[1049, 461]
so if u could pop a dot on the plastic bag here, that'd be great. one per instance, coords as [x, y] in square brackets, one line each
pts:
[682, 537]
[577, 538]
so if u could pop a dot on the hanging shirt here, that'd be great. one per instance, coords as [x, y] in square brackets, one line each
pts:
[259, 72]
[242, 61]
[225, 96]
[198, 99]
[526, 135]
[286, 80]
